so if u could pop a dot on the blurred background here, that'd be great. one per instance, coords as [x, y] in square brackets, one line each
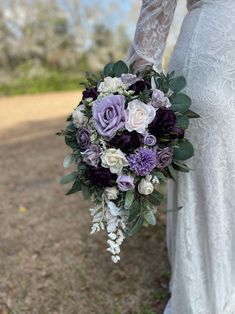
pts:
[49, 263]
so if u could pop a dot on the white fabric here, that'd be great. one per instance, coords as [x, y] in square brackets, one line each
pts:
[201, 237]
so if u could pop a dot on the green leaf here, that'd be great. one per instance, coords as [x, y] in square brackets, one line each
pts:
[180, 102]
[137, 226]
[154, 201]
[179, 166]
[182, 122]
[129, 198]
[120, 68]
[184, 150]
[68, 161]
[108, 70]
[157, 195]
[150, 218]
[158, 174]
[68, 178]
[173, 173]
[177, 84]
[191, 114]
[75, 188]
[134, 211]
[85, 191]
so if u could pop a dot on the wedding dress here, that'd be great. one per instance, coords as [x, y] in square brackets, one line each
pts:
[201, 236]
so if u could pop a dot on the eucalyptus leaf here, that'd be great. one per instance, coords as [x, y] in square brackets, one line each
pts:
[75, 188]
[68, 161]
[173, 172]
[182, 122]
[68, 178]
[177, 84]
[85, 191]
[191, 114]
[150, 218]
[137, 226]
[180, 102]
[129, 198]
[108, 70]
[135, 209]
[184, 150]
[120, 68]
[179, 166]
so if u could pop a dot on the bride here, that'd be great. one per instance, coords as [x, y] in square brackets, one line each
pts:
[201, 236]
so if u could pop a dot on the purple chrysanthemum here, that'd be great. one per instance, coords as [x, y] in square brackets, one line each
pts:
[143, 161]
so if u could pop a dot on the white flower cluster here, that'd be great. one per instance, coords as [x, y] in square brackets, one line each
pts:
[112, 85]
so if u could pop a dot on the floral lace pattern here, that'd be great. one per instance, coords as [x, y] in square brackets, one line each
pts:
[200, 237]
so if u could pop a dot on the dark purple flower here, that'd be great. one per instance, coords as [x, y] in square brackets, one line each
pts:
[150, 140]
[177, 133]
[90, 92]
[101, 177]
[127, 141]
[125, 183]
[140, 86]
[143, 161]
[163, 122]
[109, 115]
[164, 157]
[91, 156]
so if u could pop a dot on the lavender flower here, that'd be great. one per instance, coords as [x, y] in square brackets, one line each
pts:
[125, 183]
[159, 99]
[109, 115]
[91, 156]
[143, 161]
[150, 140]
[164, 157]
[83, 138]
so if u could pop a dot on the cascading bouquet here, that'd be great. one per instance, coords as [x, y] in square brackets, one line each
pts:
[127, 137]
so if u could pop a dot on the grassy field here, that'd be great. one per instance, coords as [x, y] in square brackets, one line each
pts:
[49, 263]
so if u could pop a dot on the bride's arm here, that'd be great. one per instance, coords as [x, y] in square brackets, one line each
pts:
[151, 33]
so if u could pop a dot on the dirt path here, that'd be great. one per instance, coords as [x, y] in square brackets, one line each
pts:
[49, 263]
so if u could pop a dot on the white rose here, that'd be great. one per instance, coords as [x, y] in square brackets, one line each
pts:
[145, 187]
[139, 115]
[78, 116]
[111, 193]
[111, 85]
[114, 159]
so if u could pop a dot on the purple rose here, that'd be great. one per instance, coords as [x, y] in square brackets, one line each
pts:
[150, 140]
[140, 86]
[83, 138]
[91, 156]
[109, 115]
[90, 92]
[127, 141]
[129, 79]
[125, 183]
[177, 133]
[163, 122]
[164, 157]
[101, 177]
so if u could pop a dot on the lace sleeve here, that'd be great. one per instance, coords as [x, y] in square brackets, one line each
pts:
[151, 33]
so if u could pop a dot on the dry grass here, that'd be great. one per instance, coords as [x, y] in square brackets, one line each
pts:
[49, 264]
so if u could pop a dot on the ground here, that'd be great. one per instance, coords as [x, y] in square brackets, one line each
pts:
[49, 263]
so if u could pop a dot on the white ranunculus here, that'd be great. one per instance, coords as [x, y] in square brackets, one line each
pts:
[78, 116]
[145, 187]
[114, 159]
[139, 115]
[111, 193]
[112, 85]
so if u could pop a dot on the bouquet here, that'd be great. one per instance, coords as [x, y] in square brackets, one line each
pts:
[127, 137]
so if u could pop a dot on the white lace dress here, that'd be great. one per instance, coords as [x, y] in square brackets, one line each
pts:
[200, 237]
